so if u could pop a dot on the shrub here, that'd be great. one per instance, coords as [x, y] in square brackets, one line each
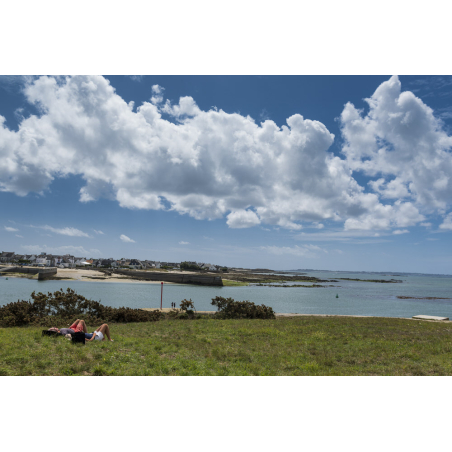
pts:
[16, 314]
[173, 314]
[228, 308]
[186, 305]
[63, 307]
[186, 311]
[189, 266]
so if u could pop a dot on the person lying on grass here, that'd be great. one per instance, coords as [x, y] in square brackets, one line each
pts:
[99, 334]
[78, 326]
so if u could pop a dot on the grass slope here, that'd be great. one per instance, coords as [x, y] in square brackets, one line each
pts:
[286, 346]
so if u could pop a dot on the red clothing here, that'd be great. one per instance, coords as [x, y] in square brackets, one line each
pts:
[77, 328]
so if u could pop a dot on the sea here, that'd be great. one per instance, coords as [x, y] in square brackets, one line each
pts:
[338, 298]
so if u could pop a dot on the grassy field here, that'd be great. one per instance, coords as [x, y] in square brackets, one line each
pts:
[285, 346]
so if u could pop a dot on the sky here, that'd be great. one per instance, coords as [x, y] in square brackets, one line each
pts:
[281, 172]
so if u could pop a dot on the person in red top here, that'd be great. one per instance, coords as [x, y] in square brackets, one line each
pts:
[79, 326]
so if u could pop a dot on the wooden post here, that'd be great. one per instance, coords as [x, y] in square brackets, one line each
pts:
[161, 297]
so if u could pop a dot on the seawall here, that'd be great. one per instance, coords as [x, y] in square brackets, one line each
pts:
[181, 278]
[43, 273]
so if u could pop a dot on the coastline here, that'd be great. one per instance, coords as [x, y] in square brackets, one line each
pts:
[96, 276]
[292, 314]
[88, 275]
[417, 296]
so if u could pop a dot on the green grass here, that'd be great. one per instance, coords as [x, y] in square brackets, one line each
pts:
[282, 281]
[285, 346]
[384, 281]
[228, 282]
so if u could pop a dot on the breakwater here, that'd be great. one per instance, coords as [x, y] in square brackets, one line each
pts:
[181, 278]
[42, 273]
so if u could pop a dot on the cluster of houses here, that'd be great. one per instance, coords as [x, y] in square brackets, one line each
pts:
[69, 261]
[42, 260]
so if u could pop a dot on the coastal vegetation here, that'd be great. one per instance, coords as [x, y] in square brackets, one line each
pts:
[284, 346]
[228, 308]
[61, 307]
[189, 266]
[292, 285]
[230, 283]
[256, 278]
[374, 280]
[403, 297]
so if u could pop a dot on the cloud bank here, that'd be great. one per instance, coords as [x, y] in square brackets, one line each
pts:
[213, 164]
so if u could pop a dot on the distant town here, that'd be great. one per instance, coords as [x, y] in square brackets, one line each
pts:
[70, 261]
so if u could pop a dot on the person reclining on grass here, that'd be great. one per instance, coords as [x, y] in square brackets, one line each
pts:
[99, 334]
[77, 327]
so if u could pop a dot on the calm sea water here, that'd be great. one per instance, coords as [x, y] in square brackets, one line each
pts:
[355, 298]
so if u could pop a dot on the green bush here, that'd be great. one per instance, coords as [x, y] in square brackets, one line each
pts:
[173, 314]
[63, 307]
[188, 266]
[186, 305]
[186, 311]
[228, 308]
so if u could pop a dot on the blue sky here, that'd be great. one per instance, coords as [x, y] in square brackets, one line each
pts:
[211, 168]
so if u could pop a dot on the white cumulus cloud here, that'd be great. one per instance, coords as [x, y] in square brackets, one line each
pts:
[184, 243]
[157, 97]
[400, 214]
[401, 139]
[242, 219]
[126, 239]
[212, 164]
[10, 229]
[447, 223]
[400, 231]
[136, 78]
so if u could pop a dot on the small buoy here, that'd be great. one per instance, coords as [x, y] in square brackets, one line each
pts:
[7, 279]
[337, 296]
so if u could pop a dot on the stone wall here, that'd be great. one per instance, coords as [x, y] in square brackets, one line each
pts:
[43, 273]
[46, 272]
[203, 280]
